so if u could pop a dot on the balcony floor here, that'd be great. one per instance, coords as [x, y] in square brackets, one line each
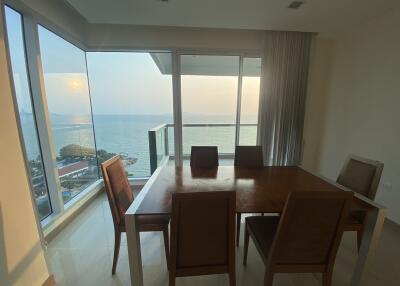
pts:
[81, 254]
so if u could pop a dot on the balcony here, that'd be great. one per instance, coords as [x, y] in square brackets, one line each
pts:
[161, 140]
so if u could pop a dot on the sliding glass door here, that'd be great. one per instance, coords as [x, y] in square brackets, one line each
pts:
[209, 86]
[249, 101]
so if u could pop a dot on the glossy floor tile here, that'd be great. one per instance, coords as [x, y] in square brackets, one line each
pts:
[81, 254]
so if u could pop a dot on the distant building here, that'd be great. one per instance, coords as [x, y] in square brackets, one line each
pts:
[75, 169]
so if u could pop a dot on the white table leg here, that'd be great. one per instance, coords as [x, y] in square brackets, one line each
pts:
[372, 232]
[134, 254]
[132, 232]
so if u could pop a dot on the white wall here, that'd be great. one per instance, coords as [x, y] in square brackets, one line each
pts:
[22, 260]
[357, 110]
[321, 58]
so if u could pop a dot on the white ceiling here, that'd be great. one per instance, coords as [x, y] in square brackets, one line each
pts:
[209, 65]
[314, 15]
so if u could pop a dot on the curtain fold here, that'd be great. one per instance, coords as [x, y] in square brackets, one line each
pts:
[282, 98]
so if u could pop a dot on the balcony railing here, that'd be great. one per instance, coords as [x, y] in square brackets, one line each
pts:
[158, 145]
[161, 144]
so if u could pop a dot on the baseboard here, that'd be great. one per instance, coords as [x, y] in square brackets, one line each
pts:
[69, 216]
[51, 232]
[392, 225]
[50, 281]
[392, 222]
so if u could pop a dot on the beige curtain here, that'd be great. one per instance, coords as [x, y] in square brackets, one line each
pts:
[283, 95]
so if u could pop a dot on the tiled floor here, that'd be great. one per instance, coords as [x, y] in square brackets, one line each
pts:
[82, 255]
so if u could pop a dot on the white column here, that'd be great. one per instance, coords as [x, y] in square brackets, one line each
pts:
[239, 101]
[177, 105]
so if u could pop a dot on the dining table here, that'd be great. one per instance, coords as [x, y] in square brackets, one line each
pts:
[258, 190]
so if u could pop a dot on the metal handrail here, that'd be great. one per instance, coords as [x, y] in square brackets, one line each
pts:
[159, 127]
[210, 124]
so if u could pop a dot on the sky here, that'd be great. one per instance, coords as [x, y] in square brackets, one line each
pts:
[15, 40]
[121, 82]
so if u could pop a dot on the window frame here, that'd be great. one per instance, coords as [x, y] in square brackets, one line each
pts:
[35, 122]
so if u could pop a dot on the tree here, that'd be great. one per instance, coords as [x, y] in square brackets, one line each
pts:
[74, 150]
[103, 155]
[68, 184]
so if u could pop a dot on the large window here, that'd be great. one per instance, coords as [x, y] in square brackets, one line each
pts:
[102, 104]
[26, 114]
[67, 91]
[131, 94]
[209, 96]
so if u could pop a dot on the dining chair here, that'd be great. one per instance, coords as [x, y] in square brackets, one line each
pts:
[120, 197]
[203, 235]
[305, 238]
[362, 176]
[204, 157]
[247, 157]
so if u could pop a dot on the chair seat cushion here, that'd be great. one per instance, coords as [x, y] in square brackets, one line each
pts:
[262, 230]
[153, 219]
[147, 221]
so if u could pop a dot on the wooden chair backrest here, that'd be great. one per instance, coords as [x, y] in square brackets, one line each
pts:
[118, 189]
[361, 175]
[204, 157]
[310, 230]
[202, 233]
[249, 156]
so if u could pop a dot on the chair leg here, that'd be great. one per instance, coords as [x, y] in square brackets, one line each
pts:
[238, 220]
[359, 238]
[268, 278]
[171, 279]
[232, 277]
[327, 278]
[246, 245]
[117, 244]
[166, 245]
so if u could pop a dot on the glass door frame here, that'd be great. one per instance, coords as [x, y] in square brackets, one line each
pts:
[177, 93]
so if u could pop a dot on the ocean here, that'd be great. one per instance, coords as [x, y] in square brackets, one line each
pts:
[128, 134]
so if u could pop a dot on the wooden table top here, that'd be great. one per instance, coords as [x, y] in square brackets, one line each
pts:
[257, 190]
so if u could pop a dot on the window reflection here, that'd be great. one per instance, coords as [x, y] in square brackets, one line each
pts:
[67, 91]
[26, 114]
